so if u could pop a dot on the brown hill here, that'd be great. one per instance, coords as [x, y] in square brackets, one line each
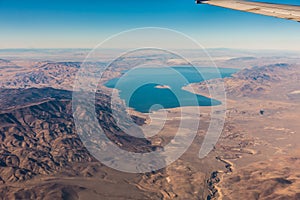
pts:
[42, 75]
[256, 82]
[38, 138]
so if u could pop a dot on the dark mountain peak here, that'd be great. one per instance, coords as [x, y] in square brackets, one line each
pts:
[38, 135]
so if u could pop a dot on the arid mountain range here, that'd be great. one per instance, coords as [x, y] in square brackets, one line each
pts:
[42, 157]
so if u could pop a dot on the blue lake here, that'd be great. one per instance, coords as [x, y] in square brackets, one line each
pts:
[150, 89]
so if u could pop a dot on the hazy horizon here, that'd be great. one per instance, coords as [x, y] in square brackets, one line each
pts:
[78, 24]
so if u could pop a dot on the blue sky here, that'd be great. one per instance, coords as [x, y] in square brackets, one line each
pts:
[83, 24]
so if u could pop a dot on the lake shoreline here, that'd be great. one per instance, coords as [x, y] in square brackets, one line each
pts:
[169, 87]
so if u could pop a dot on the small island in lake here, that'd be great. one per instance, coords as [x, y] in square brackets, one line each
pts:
[163, 87]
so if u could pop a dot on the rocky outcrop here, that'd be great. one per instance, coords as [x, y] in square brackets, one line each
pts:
[38, 135]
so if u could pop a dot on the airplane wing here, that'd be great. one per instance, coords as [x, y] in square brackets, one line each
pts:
[290, 12]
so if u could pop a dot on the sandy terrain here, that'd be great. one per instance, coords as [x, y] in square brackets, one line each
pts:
[256, 157]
